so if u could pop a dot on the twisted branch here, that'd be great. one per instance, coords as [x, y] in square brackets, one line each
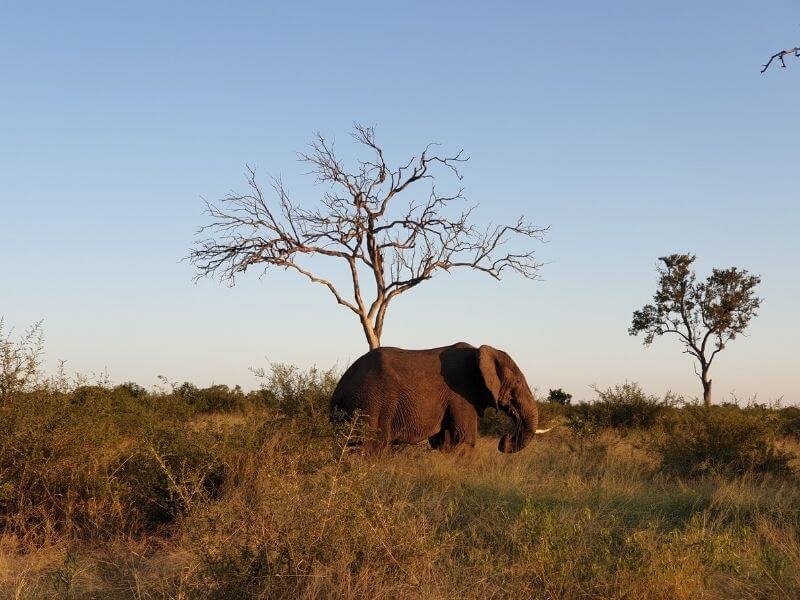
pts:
[780, 56]
[357, 221]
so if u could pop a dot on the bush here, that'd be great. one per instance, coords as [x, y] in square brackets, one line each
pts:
[624, 406]
[559, 396]
[96, 463]
[217, 398]
[168, 469]
[550, 412]
[721, 439]
[494, 423]
[134, 390]
[789, 419]
[296, 393]
[20, 361]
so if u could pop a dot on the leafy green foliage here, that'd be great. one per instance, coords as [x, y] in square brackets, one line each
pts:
[623, 406]
[295, 393]
[704, 315]
[718, 309]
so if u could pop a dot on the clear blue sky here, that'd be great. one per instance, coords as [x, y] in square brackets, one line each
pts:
[632, 129]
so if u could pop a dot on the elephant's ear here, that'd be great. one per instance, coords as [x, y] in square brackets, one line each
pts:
[487, 363]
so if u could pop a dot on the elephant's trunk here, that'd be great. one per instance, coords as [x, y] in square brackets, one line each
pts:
[524, 430]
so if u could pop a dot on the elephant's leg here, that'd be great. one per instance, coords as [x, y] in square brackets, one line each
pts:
[459, 429]
[441, 440]
[463, 427]
[381, 432]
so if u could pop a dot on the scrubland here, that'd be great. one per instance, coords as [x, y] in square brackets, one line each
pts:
[118, 492]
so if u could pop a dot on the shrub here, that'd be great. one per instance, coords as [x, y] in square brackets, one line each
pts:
[296, 393]
[20, 361]
[97, 462]
[168, 469]
[559, 396]
[134, 390]
[494, 423]
[722, 439]
[789, 419]
[550, 412]
[623, 406]
[53, 467]
[217, 398]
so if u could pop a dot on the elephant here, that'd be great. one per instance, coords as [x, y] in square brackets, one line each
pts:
[408, 396]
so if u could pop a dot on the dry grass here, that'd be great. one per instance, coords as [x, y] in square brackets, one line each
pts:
[163, 502]
[550, 522]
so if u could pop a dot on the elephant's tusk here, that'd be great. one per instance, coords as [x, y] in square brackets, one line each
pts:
[543, 430]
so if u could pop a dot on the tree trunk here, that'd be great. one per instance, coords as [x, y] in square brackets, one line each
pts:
[373, 339]
[706, 390]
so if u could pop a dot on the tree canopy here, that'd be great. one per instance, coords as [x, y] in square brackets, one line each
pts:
[705, 315]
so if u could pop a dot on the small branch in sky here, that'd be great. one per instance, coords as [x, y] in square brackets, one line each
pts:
[780, 57]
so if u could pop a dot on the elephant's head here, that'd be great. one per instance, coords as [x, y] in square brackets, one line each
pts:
[510, 393]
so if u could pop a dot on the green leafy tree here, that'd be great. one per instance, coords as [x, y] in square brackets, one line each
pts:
[705, 315]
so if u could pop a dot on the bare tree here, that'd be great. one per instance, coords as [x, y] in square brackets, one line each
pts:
[705, 316]
[361, 223]
[780, 56]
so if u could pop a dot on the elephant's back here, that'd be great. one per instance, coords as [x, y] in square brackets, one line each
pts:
[386, 367]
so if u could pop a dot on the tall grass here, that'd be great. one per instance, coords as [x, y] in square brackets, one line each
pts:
[189, 493]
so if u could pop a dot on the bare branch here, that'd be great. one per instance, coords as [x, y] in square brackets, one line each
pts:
[326, 283]
[780, 56]
[357, 220]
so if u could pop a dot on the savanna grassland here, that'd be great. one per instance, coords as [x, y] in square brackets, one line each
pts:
[118, 492]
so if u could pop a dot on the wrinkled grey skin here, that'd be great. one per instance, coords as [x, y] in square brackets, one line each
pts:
[408, 396]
